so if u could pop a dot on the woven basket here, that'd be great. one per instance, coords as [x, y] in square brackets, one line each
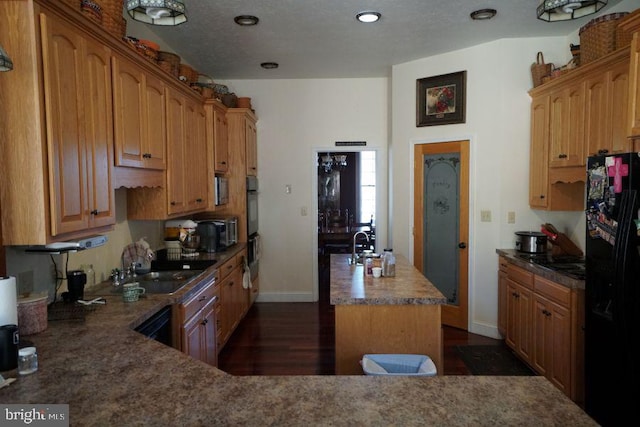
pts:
[187, 74]
[112, 7]
[170, 62]
[92, 10]
[623, 34]
[598, 37]
[539, 70]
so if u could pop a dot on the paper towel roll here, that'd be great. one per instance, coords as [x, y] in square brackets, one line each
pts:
[8, 301]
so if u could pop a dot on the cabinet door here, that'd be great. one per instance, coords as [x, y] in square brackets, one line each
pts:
[551, 355]
[195, 157]
[539, 153]
[251, 147]
[566, 121]
[63, 56]
[193, 338]
[596, 114]
[176, 136]
[221, 142]
[209, 330]
[99, 134]
[619, 110]
[154, 148]
[634, 88]
[129, 101]
[519, 312]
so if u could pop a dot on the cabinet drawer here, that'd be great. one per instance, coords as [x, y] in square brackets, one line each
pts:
[520, 275]
[553, 291]
[197, 302]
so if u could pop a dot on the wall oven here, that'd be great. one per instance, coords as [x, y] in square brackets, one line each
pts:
[252, 205]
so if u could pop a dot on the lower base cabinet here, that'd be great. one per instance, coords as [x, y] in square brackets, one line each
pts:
[544, 325]
[196, 320]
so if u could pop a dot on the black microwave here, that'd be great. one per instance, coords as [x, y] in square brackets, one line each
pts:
[218, 234]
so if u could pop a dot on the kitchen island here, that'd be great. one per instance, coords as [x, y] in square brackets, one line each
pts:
[398, 314]
[109, 374]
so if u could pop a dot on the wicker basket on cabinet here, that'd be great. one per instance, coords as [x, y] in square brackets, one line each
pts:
[598, 37]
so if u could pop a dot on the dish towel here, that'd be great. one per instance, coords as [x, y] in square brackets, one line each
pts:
[246, 277]
[139, 253]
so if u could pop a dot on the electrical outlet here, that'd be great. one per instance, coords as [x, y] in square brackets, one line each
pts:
[511, 217]
[485, 216]
[303, 211]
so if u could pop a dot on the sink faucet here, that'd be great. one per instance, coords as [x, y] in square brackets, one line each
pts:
[355, 237]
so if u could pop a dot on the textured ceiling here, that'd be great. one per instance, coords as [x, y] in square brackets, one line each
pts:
[322, 39]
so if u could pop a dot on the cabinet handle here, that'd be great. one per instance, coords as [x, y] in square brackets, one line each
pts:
[542, 196]
[94, 212]
[223, 163]
[562, 156]
[198, 200]
[202, 298]
[205, 321]
[147, 155]
[515, 295]
[231, 283]
[603, 151]
[253, 168]
[173, 203]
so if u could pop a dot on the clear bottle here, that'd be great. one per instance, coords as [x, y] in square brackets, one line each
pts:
[91, 274]
[27, 361]
[388, 263]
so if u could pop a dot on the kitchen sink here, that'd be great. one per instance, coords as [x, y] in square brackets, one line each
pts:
[161, 282]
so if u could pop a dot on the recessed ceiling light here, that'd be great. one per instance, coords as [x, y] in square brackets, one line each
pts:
[368, 17]
[269, 65]
[246, 20]
[483, 14]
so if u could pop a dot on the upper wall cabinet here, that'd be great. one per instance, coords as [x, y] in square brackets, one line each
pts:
[140, 119]
[56, 137]
[572, 117]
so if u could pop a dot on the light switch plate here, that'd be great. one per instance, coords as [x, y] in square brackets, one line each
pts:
[511, 217]
[485, 216]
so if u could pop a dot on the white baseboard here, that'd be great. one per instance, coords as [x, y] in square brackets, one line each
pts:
[485, 330]
[285, 297]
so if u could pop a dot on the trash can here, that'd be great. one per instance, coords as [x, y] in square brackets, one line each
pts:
[398, 364]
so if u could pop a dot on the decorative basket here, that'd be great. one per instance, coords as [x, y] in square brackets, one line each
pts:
[598, 37]
[91, 9]
[116, 26]
[170, 62]
[624, 35]
[539, 70]
[112, 7]
[187, 74]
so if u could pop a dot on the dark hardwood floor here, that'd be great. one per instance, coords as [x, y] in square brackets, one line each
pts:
[298, 339]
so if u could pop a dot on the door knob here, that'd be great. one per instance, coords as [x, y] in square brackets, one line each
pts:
[462, 245]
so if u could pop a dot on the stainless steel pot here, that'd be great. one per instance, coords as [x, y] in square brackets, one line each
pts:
[532, 242]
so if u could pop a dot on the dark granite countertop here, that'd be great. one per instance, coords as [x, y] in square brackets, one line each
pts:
[112, 375]
[555, 276]
[349, 285]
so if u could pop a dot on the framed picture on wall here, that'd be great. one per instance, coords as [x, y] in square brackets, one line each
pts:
[440, 100]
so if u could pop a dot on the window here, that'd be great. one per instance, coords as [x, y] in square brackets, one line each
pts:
[367, 188]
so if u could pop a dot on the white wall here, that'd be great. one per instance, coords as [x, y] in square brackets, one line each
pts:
[296, 119]
[497, 124]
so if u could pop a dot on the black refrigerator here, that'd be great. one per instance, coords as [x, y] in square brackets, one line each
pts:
[612, 323]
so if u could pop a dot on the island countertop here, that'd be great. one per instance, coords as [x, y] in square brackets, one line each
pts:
[349, 285]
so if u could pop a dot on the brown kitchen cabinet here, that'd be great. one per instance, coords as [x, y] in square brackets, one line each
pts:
[606, 106]
[140, 118]
[566, 122]
[197, 324]
[544, 323]
[234, 297]
[519, 286]
[252, 147]
[218, 136]
[60, 160]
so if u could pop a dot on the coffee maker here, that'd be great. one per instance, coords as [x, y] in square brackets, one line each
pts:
[76, 279]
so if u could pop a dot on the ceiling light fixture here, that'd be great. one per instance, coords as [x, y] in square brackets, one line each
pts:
[565, 10]
[368, 17]
[5, 62]
[483, 14]
[157, 12]
[246, 20]
[269, 65]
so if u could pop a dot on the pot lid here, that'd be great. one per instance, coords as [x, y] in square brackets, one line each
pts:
[530, 234]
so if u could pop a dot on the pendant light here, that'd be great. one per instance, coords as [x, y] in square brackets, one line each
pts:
[5, 62]
[565, 10]
[157, 12]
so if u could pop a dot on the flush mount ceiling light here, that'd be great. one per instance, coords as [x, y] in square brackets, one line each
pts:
[5, 62]
[246, 20]
[368, 17]
[157, 12]
[482, 14]
[269, 65]
[564, 10]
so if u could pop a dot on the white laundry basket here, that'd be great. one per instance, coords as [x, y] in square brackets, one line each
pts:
[398, 364]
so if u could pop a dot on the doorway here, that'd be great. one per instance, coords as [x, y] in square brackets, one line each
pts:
[346, 200]
[441, 223]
